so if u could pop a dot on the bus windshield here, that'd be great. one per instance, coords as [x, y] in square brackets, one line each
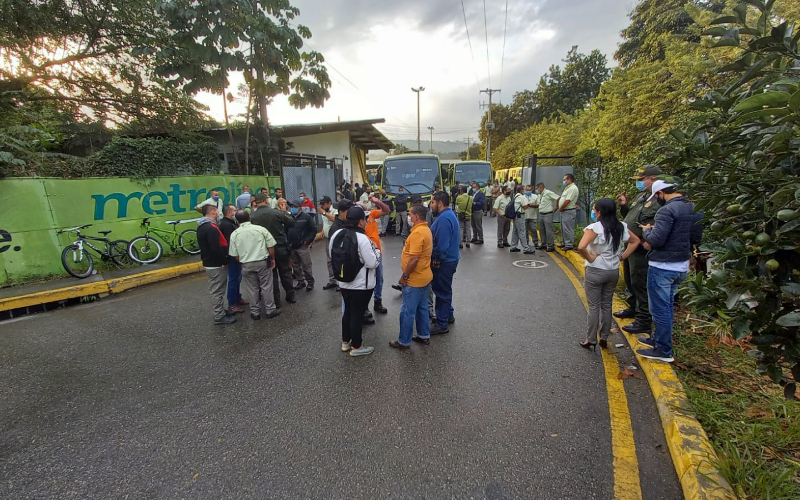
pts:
[414, 175]
[478, 172]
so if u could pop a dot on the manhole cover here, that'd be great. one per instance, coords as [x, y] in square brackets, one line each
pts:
[530, 264]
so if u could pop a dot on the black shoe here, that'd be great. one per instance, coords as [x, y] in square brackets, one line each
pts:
[299, 286]
[506, 245]
[367, 314]
[500, 245]
[560, 246]
[367, 321]
[225, 320]
[397, 287]
[439, 331]
[479, 242]
[420, 340]
[291, 298]
[473, 240]
[589, 345]
[275, 313]
[228, 312]
[398, 345]
[460, 245]
[255, 317]
[328, 286]
[467, 245]
[625, 313]
[637, 327]
[551, 250]
[515, 249]
[379, 307]
[338, 289]
[529, 252]
[309, 288]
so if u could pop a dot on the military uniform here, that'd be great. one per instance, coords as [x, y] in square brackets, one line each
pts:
[639, 211]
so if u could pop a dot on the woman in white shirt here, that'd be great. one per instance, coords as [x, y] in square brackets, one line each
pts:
[602, 247]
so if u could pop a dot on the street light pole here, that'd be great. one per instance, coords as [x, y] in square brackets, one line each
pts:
[431, 129]
[418, 90]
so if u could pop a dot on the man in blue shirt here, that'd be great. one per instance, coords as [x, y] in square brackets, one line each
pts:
[243, 201]
[446, 236]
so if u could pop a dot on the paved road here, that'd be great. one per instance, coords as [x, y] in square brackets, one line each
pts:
[141, 396]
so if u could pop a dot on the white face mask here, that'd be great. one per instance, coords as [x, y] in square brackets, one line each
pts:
[410, 224]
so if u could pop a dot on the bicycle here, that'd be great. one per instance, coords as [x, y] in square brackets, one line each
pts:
[147, 250]
[79, 262]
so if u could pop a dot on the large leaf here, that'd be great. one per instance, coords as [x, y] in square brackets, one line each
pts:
[789, 320]
[762, 113]
[741, 328]
[772, 99]
[794, 102]
[792, 289]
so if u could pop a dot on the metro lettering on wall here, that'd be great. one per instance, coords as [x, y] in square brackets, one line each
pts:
[30, 245]
[178, 199]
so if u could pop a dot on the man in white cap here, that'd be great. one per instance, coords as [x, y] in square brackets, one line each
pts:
[676, 231]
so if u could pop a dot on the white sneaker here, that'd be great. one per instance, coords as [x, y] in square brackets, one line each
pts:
[345, 346]
[361, 351]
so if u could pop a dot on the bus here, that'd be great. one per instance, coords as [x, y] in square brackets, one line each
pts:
[416, 173]
[508, 174]
[470, 171]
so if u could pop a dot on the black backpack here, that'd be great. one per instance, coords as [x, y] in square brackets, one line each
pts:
[344, 256]
[511, 213]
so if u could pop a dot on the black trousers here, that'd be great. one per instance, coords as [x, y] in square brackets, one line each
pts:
[635, 274]
[355, 303]
[282, 273]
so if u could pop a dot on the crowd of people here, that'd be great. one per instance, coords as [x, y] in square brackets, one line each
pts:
[260, 244]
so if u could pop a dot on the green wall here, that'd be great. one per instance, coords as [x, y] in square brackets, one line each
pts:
[34, 209]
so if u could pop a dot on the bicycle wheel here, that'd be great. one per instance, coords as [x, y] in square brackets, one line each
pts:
[188, 242]
[145, 250]
[119, 253]
[77, 262]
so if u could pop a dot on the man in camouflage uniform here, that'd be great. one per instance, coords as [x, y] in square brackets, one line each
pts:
[638, 212]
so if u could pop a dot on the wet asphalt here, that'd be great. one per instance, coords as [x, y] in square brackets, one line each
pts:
[141, 396]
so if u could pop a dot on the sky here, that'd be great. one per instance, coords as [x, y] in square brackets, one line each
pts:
[377, 50]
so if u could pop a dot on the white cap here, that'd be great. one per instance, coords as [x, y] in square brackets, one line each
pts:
[658, 186]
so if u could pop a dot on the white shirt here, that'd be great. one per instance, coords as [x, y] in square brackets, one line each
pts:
[678, 267]
[327, 223]
[532, 213]
[607, 257]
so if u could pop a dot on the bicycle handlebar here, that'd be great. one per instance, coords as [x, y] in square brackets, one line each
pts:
[78, 228]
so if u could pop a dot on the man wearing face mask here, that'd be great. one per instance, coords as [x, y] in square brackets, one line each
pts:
[401, 213]
[520, 236]
[547, 204]
[277, 223]
[300, 237]
[676, 231]
[478, 206]
[638, 212]
[566, 204]
[503, 223]
[445, 259]
[307, 205]
[214, 200]
[531, 215]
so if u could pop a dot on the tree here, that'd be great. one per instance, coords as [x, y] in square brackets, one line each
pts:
[399, 149]
[572, 88]
[741, 162]
[211, 38]
[654, 22]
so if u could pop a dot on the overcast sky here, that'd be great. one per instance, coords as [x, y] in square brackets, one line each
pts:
[376, 50]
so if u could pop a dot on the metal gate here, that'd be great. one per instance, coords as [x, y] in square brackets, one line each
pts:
[313, 175]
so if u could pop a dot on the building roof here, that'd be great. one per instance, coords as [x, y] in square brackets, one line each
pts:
[362, 132]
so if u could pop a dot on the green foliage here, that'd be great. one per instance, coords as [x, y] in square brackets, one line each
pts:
[148, 158]
[559, 136]
[587, 167]
[399, 149]
[741, 163]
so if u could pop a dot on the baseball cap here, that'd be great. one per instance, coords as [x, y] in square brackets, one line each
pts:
[355, 214]
[344, 205]
[296, 203]
[659, 185]
[647, 171]
[325, 199]
[260, 198]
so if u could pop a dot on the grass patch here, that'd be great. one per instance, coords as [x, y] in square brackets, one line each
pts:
[754, 429]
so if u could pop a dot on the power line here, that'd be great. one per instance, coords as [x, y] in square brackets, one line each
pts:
[503, 60]
[486, 32]
[469, 41]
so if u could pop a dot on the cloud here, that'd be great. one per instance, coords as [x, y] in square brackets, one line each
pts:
[385, 47]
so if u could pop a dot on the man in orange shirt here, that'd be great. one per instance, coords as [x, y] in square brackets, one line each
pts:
[416, 279]
[374, 235]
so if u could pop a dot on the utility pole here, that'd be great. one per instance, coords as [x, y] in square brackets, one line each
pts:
[418, 90]
[489, 123]
[431, 129]
[468, 139]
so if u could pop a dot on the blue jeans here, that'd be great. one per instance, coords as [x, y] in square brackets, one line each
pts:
[234, 282]
[379, 281]
[442, 286]
[661, 289]
[414, 310]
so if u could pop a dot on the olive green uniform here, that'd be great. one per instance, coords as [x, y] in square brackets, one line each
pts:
[638, 211]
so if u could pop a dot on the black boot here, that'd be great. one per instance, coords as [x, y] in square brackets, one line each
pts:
[379, 307]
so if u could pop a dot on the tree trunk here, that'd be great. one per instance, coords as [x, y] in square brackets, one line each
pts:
[230, 132]
[247, 132]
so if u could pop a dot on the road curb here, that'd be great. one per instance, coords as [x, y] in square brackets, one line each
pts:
[691, 451]
[115, 285]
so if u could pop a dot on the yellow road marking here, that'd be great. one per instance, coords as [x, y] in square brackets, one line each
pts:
[623, 447]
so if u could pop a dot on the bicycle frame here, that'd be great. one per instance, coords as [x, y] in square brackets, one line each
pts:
[88, 241]
[161, 232]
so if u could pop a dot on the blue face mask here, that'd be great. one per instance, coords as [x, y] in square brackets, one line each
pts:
[594, 216]
[528, 193]
[294, 211]
[302, 198]
[215, 198]
[640, 185]
[564, 183]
